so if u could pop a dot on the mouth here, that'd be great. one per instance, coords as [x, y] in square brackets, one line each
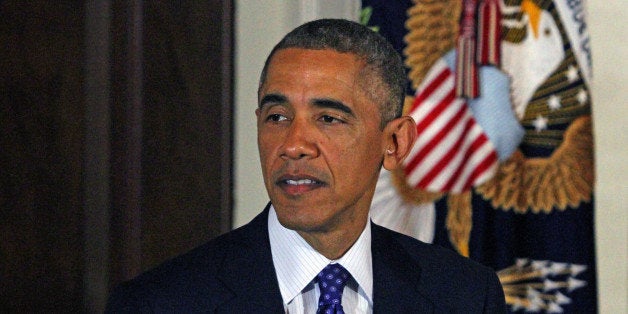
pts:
[296, 185]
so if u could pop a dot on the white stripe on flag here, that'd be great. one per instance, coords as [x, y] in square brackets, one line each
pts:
[451, 153]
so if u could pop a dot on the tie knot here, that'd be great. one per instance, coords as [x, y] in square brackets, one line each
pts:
[331, 281]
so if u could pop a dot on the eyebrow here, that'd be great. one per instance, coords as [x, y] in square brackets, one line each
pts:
[318, 102]
[272, 99]
[332, 104]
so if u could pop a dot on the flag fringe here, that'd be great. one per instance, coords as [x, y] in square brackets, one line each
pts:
[459, 221]
[433, 29]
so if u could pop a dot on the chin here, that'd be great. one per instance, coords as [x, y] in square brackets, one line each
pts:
[298, 221]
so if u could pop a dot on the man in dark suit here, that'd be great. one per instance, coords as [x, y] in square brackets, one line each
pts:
[328, 118]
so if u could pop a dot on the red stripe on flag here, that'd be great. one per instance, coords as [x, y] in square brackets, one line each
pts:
[454, 153]
[439, 136]
[436, 111]
[463, 163]
[484, 165]
[447, 158]
[469, 153]
[430, 88]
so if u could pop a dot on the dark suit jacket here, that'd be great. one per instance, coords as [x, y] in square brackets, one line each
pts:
[234, 273]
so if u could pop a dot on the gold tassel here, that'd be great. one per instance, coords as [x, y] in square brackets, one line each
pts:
[459, 221]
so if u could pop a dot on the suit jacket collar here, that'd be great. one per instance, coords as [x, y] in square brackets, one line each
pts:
[248, 270]
[396, 277]
[248, 273]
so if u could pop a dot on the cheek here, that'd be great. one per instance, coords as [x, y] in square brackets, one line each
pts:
[353, 153]
[265, 147]
[365, 151]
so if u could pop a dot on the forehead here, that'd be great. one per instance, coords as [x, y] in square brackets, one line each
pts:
[311, 71]
[327, 57]
[325, 62]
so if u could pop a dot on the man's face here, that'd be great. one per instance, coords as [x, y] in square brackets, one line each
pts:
[320, 142]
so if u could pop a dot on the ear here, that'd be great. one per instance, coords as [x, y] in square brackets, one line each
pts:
[400, 136]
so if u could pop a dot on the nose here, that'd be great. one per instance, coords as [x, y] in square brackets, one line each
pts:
[300, 141]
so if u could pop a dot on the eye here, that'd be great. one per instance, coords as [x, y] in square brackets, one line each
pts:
[329, 119]
[275, 117]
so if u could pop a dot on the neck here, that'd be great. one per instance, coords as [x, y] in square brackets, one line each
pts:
[333, 245]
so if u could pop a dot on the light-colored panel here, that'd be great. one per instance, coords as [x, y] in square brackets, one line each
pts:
[609, 43]
[259, 25]
[314, 9]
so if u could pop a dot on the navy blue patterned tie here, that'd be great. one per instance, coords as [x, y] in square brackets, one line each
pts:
[331, 281]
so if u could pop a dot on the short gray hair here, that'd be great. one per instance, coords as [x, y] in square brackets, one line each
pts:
[344, 36]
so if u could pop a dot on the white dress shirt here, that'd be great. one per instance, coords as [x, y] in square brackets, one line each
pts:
[297, 264]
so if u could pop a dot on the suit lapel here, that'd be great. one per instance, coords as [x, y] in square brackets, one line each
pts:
[396, 277]
[248, 271]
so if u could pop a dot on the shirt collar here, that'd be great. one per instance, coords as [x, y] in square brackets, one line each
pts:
[297, 263]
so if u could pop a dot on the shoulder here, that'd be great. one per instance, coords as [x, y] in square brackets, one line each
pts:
[445, 276]
[183, 280]
[429, 256]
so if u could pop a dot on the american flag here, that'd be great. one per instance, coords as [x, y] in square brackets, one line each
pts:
[452, 153]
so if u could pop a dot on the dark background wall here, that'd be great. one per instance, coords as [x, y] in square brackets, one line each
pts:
[115, 143]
